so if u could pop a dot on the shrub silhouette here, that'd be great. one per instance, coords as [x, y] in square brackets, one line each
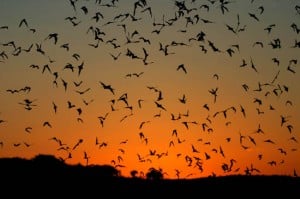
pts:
[133, 173]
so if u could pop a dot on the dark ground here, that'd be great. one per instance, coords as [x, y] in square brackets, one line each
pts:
[46, 176]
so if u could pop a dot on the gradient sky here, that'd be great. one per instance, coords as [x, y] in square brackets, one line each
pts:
[243, 146]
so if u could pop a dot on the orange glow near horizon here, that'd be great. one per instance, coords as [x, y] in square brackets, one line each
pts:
[140, 135]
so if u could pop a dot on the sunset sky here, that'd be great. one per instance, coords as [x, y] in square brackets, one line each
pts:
[241, 110]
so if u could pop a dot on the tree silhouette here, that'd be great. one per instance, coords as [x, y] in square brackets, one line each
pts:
[154, 174]
[103, 171]
[47, 160]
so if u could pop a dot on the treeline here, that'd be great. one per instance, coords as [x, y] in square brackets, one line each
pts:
[45, 173]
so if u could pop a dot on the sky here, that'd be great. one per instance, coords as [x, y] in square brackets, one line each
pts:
[194, 88]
